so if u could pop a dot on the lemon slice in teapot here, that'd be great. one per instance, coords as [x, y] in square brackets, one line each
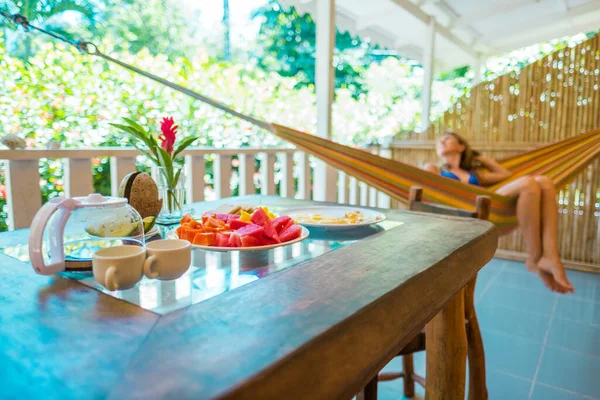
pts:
[114, 229]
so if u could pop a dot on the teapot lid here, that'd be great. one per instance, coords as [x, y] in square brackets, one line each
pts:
[97, 200]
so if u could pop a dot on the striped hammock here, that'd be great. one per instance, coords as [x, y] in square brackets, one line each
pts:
[560, 161]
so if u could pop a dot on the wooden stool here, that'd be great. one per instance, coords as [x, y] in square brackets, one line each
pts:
[476, 355]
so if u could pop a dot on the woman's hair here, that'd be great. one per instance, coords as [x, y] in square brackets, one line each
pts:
[468, 158]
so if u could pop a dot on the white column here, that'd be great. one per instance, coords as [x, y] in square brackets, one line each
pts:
[478, 69]
[429, 50]
[325, 178]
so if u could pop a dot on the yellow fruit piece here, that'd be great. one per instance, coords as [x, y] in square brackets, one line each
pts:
[271, 215]
[246, 217]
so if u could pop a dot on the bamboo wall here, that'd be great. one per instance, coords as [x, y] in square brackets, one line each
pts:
[551, 99]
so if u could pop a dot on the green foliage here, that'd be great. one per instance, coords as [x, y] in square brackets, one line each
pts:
[157, 25]
[287, 45]
[45, 14]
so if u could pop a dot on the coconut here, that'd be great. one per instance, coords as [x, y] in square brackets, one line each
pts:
[141, 192]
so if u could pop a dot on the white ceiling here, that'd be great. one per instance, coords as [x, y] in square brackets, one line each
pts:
[465, 28]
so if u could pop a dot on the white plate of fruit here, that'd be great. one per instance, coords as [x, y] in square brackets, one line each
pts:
[257, 229]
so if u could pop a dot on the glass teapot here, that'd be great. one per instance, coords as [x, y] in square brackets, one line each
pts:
[66, 232]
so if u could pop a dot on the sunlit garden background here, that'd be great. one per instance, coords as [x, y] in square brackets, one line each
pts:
[254, 55]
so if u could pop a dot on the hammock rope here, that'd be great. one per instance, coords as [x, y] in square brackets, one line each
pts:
[560, 161]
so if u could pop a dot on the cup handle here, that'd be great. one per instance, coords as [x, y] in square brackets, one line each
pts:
[110, 279]
[148, 268]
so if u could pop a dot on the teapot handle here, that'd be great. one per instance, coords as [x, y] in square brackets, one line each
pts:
[63, 206]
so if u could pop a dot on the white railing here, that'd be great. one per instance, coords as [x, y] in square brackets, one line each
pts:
[23, 191]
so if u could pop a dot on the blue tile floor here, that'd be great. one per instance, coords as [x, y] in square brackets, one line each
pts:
[539, 345]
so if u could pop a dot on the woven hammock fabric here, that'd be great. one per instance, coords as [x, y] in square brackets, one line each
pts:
[560, 161]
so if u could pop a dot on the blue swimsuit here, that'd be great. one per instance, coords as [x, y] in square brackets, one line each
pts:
[472, 177]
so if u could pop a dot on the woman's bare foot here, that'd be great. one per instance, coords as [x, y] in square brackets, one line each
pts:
[546, 277]
[554, 267]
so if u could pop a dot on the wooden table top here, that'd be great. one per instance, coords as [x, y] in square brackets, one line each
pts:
[319, 329]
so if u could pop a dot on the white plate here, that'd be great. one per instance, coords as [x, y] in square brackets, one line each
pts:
[371, 216]
[172, 234]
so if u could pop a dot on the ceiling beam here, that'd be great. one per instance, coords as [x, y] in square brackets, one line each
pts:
[522, 40]
[454, 16]
[543, 21]
[425, 18]
[502, 7]
[366, 21]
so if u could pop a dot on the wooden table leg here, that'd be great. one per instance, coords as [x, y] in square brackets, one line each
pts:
[447, 352]
[476, 354]
[370, 391]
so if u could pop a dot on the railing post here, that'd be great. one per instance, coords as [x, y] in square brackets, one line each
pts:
[222, 176]
[343, 189]
[303, 173]
[23, 193]
[364, 194]
[372, 197]
[247, 169]
[267, 174]
[78, 177]
[286, 186]
[195, 171]
[353, 192]
[383, 200]
[119, 168]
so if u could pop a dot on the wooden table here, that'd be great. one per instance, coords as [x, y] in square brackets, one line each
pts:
[318, 330]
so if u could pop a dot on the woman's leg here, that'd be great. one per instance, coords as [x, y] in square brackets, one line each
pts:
[528, 193]
[550, 261]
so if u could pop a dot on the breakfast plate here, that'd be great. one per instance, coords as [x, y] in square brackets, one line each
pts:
[334, 217]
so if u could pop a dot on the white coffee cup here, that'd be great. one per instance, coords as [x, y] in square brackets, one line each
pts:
[119, 267]
[167, 259]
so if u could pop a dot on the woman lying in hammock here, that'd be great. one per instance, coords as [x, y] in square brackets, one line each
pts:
[537, 211]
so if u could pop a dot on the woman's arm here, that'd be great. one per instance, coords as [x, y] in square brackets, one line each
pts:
[494, 172]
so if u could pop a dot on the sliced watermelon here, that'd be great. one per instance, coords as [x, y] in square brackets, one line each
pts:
[236, 224]
[249, 241]
[259, 217]
[281, 222]
[251, 230]
[233, 216]
[270, 231]
[222, 217]
[290, 223]
[291, 233]
[265, 241]
[234, 240]
[222, 239]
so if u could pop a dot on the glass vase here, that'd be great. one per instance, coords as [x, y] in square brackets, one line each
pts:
[172, 195]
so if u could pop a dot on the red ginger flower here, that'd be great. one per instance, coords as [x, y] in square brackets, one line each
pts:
[169, 130]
